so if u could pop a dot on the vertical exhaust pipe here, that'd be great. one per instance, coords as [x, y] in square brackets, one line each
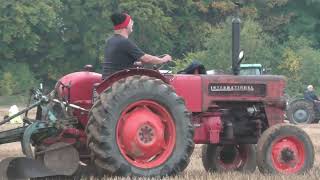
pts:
[236, 21]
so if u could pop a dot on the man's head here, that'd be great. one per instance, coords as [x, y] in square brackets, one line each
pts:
[310, 88]
[122, 23]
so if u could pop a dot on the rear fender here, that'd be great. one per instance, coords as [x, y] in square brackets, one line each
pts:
[127, 73]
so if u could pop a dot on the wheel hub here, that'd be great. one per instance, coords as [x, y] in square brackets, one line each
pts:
[288, 155]
[300, 115]
[143, 135]
[146, 134]
[230, 157]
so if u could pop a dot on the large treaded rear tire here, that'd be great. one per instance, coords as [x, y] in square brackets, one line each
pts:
[301, 112]
[213, 158]
[104, 117]
[285, 149]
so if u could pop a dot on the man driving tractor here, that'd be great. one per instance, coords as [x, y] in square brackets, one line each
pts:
[309, 95]
[122, 53]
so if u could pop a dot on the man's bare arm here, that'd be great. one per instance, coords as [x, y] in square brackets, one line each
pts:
[149, 59]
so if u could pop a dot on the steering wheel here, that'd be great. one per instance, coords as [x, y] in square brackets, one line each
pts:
[157, 67]
[139, 64]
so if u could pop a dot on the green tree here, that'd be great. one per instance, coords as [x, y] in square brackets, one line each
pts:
[300, 63]
[50, 38]
[257, 45]
[79, 38]
[22, 24]
[17, 78]
[28, 28]
[7, 84]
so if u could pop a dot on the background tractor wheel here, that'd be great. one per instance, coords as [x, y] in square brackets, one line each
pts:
[301, 112]
[140, 127]
[285, 149]
[222, 158]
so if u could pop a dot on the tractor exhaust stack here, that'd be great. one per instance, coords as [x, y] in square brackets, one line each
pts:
[236, 41]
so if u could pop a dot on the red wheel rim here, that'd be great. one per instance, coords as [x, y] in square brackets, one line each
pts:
[234, 160]
[146, 134]
[288, 155]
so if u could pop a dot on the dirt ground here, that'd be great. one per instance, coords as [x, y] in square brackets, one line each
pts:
[195, 169]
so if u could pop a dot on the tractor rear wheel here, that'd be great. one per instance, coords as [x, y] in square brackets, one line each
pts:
[285, 149]
[140, 127]
[301, 112]
[222, 158]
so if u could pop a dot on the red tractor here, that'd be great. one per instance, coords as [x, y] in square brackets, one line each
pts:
[138, 122]
[145, 124]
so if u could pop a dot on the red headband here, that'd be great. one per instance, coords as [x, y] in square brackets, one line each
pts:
[124, 24]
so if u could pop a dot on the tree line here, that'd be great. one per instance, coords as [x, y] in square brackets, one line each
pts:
[41, 40]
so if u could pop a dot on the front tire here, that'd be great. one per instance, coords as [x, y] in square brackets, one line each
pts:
[140, 127]
[285, 149]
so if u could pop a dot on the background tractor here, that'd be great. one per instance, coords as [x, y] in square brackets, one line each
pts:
[301, 111]
[251, 69]
[139, 122]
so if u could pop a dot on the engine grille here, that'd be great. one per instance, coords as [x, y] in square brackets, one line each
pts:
[219, 89]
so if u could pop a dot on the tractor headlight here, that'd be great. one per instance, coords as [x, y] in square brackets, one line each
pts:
[251, 110]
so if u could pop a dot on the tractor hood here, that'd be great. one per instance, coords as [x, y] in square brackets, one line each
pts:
[201, 91]
[78, 86]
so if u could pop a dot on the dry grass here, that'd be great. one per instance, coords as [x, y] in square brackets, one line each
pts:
[195, 169]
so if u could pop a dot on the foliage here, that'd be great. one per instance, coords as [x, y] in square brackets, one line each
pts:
[256, 44]
[41, 40]
[300, 63]
[7, 84]
[16, 79]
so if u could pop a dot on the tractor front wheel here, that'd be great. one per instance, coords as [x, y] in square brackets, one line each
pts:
[223, 158]
[140, 127]
[285, 149]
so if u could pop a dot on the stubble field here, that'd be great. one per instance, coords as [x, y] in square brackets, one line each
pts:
[195, 169]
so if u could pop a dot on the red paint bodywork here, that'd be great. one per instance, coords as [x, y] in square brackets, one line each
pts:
[208, 128]
[194, 89]
[190, 88]
[81, 88]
